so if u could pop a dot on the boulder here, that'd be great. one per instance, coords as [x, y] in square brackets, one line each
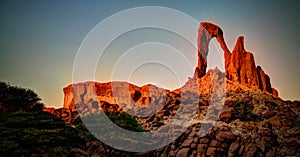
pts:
[183, 152]
[202, 148]
[187, 142]
[225, 115]
[233, 149]
[226, 135]
[275, 122]
[211, 151]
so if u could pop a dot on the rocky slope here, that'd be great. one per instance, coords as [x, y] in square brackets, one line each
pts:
[242, 112]
[271, 128]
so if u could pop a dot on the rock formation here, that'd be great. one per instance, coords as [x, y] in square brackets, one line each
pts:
[206, 32]
[128, 96]
[242, 67]
[239, 65]
[260, 125]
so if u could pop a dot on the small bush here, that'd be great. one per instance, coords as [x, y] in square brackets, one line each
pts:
[125, 121]
[96, 125]
[27, 133]
[243, 110]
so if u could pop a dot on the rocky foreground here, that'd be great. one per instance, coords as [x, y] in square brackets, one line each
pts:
[240, 110]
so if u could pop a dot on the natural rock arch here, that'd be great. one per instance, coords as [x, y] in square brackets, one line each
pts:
[239, 65]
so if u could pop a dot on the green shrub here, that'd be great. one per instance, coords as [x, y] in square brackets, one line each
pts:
[243, 110]
[27, 133]
[13, 98]
[97, 123]
[125, 121]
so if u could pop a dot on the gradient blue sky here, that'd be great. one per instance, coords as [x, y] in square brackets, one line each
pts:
[39, 39]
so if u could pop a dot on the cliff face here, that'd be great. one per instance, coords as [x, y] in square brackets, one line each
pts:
[240, 66]
[122, 94]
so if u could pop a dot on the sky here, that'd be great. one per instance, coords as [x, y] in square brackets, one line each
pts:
[39, 41]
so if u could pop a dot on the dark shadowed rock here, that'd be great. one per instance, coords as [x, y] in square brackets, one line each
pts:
[264, 81]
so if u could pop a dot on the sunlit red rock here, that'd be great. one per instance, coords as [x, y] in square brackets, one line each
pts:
[262, 135]
[206, 32]
[240, 65]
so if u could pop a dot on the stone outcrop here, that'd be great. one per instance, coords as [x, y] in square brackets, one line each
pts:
[264, 82]
[275, 92]
[49, 109]
[239, 65]
[242, 67]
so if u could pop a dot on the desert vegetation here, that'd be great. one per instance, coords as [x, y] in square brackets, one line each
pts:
[26, 130]
[243, 110]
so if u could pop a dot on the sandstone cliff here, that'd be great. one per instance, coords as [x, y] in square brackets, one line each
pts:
[126, 96]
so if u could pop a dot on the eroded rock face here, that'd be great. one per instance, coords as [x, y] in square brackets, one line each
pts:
[275, 92]
[239, 65]
[125, 95]
[264, 81]
[242, 67]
